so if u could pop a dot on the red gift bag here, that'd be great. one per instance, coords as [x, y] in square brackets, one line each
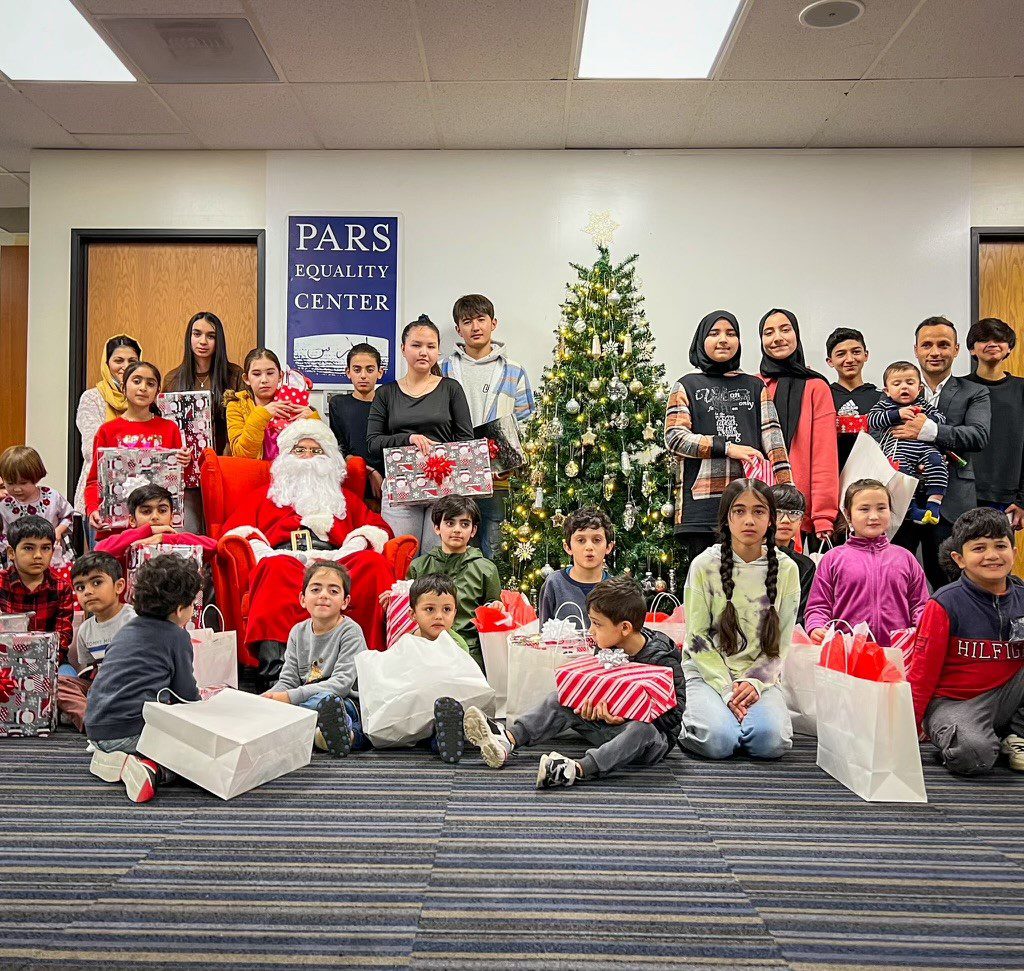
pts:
[637, 692]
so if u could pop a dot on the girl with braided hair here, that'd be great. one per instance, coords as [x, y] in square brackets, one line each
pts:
[741, 604]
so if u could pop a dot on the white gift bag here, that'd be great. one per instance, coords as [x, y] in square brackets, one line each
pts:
[398, 687]
[868, 461]
[214, 655]
[229, 743]
[494, 647]
[867, 737]
[797, 684]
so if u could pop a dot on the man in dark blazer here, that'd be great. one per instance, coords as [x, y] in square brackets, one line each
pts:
[968, 413]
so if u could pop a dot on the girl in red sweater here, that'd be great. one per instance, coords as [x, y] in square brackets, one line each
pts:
[138, 427]
[807, 413]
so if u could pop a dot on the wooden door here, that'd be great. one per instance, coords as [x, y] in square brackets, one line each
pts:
[1001, 294]
[150, 290]
[13, 343]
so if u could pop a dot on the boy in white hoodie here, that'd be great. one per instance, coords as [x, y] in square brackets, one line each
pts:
[495, 386]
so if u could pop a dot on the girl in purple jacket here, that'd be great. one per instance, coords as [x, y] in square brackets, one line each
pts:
[867, 579]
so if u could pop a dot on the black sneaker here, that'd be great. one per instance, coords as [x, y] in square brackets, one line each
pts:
[555, 770]
[333, 728]
[448, 715]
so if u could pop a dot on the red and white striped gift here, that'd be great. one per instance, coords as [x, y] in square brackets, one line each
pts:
[638, 692]
[904, 640]
[398, 621]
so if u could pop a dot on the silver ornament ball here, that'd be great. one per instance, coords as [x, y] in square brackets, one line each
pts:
[546, 570]
[668, 510]
[572, 406]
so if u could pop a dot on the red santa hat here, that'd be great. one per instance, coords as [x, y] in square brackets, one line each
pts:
[313, 428]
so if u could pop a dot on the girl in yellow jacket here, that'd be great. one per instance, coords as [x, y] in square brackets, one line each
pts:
[249, 412]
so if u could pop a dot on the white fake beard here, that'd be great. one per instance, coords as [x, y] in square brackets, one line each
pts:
[312, 487]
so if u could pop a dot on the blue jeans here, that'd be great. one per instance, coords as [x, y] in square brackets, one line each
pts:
[351, 707]
[492, 515]
[711, 729]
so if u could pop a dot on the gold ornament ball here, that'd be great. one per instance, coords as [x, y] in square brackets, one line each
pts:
[660, 585]
[636, 386]
[524, 532]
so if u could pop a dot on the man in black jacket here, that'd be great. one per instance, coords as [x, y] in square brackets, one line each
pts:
[968, 413]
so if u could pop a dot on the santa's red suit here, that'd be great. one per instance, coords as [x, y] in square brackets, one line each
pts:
[276, 582]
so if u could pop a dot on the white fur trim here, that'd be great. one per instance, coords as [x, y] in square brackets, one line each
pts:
[376, 537]
[247, 533]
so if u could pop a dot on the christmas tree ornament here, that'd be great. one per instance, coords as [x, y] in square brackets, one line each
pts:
[614, 296]
[627, 344]
[650, 433]
[636, 386]
[647, 484]
[629, 515]
[555, 428]
[524, 531]
[572, 406]
[609, 487]
[667, 510]
[659, 393]
[546, 570]
[524, 551]
[595, 346]
[579, 325]
[621, 421]
[538, 498]
[648, 583]
[616, 389]
[537, 476]
[660, 585]
[672, 580]
[572, 469]
[588, 438]
[601, 227]
[594, 386]
[624, 463]
[558, 519]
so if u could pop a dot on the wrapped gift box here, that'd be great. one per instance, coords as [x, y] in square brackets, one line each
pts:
[123, 470]
[399, 620]
[137, 555]
[192, 412]
[450, 469]
[28, 684]
[851, 424]
[638, 692]
[505, 446]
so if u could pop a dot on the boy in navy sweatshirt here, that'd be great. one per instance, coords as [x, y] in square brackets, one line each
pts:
[149, 655]
[967, 672]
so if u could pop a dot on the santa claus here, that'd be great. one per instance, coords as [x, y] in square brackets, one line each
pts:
[303, 516]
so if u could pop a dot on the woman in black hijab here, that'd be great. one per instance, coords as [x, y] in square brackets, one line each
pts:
[717, 419]
[807, 415]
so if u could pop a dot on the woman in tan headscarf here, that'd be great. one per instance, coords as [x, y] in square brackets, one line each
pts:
[103, 402]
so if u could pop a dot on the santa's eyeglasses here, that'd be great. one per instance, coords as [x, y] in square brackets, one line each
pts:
[306, 450]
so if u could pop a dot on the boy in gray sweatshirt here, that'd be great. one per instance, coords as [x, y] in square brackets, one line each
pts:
[319, 669]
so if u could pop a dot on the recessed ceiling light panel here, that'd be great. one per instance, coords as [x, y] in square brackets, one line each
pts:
[831, 13]
[654, 38]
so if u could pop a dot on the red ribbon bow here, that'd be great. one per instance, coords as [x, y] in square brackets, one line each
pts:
[492, 448]
[7, 684]
[437, 468]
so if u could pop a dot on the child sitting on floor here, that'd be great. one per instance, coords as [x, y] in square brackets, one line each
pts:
[967, 671]
[149, 655]
[319, 670]
[98, 582]
[456, 520]
[589, 538]
[617, 610]
[28, 585]
[22, 469]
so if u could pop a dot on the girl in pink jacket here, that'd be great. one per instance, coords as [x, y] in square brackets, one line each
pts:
[867, 579]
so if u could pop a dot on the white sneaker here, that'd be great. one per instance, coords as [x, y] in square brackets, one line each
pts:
[488, 736]
[555, 770]
[1013, 748]
[108, 766]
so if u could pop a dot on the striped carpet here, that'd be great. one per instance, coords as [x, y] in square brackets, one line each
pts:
[396, 860]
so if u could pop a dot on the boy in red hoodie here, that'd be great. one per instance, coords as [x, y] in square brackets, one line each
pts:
[967, 673]
[149, 512]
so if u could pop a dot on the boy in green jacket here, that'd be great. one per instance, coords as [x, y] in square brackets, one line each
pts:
[456, 520]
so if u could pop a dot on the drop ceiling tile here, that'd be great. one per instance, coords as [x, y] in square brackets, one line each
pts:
[771, 43]
[957, 112]
[501, 114]
[633, 114]
[23, 125]
[241, 116]
[958, 39]
[14, 159]
[767, 114]
[313, 40]
[113, 109]
[494, 40]
[13, 192]
[162, 8]
[156, 142]
[350, 116]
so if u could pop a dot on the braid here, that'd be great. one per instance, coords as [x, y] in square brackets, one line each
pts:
[728, 623]
[768, 629]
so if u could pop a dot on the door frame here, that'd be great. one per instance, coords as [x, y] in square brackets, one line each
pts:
[80, 242]
[987, 234]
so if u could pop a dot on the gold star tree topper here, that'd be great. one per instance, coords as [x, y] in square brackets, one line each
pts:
[601, 227]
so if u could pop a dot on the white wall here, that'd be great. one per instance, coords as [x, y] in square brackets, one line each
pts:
[871, 239]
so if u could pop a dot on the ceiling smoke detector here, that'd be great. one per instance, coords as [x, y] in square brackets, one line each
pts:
[831, 13]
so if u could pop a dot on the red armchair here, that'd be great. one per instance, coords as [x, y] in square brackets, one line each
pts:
[224, 481]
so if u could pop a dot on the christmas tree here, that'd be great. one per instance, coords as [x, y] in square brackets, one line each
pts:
[596, 436]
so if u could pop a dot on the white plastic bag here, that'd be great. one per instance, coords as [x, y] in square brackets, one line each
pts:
[494, 647]
[868, 461]
[398, 687]
[229, 743]
[797, 682]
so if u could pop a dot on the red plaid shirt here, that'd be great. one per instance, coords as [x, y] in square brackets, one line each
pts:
[53, 602]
